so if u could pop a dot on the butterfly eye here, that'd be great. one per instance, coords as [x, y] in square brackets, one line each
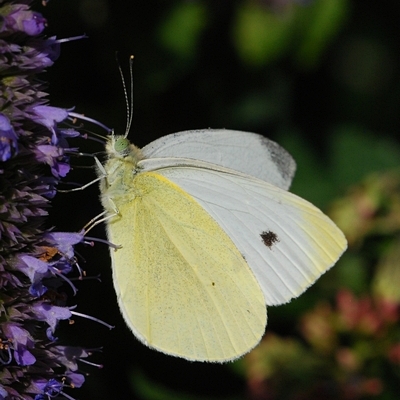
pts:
[121, 146]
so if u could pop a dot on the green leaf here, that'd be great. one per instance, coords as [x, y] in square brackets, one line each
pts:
[182, 29]
[357, 152]
[318, 24]
[261, 36]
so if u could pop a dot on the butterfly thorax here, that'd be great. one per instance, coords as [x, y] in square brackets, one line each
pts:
[121, 169]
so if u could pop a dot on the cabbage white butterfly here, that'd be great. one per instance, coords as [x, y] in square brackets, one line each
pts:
[209, 236]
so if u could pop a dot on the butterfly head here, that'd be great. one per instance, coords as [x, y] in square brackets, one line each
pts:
[121, 145]
[121, 148]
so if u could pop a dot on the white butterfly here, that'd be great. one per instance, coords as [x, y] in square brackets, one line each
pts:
[209, 237]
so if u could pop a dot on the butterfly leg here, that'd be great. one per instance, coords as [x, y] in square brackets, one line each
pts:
[98, 219]
[103, 175]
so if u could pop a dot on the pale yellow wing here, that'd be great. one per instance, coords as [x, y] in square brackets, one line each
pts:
[182, 285]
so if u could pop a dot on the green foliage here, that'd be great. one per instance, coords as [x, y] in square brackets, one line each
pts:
[262, 35]
[180, 32]
[352, 153]
[318, 25]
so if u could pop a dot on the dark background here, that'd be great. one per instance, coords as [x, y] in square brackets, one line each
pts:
[319, 77]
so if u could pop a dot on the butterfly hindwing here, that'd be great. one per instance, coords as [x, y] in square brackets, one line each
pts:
[181, 284]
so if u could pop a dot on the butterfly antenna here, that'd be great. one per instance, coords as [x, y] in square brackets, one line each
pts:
[129, 104]
[128, 98]
[128, 128]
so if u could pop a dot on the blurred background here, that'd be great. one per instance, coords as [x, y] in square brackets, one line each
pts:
[319, 77]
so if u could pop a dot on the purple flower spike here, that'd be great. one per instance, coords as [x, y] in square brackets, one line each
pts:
[34, 263]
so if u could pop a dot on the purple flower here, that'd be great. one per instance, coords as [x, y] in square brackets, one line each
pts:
[51, 388]
[34, 263]
[36, 270]
[53, 156]
[51, 314]
[49, 117]
[22, 341]
[69, 356]
[64, 242]
[8, 139]
[76, 380]
[3, 393]
[20, 18]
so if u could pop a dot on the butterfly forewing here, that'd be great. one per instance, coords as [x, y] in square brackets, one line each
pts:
[245, 152]
[308, 244]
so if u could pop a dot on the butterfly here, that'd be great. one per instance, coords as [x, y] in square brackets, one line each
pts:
[208, 236]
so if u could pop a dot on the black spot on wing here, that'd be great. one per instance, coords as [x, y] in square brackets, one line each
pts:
[269, 238]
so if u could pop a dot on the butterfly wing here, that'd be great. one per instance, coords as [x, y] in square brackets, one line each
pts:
[182, 286]
[245, 152]
[207, 241]
[287, 242]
